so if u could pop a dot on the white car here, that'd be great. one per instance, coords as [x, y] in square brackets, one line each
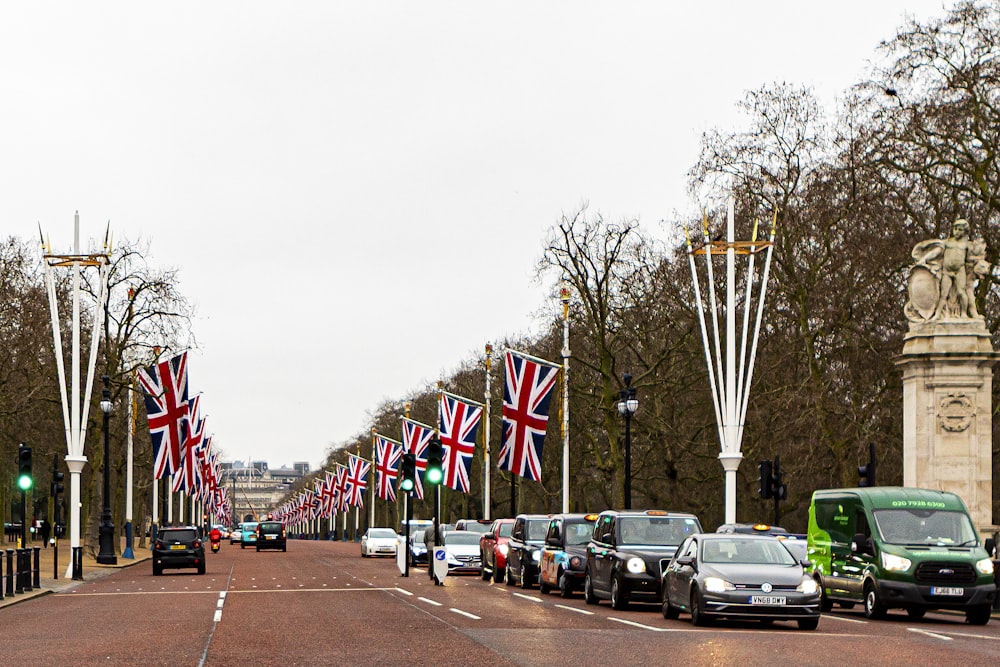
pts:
[462, 549]
[379, 542]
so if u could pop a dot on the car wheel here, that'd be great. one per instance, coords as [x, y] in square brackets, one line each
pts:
[588, 590]
[874, 609]
[916, 613]
[525, 581]
[669, 611]
[510, 576]
[978, 615]
[157, 570]
[284, 547]
[242, 546]
[618, 599]
[497, 573]
[808, 623]
[201, 569]
[825, 603]
[565, 588]
[483, 572]
[258, 549]
[543, 587]
[697, 613]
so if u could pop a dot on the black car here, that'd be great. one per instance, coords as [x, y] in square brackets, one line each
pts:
[629, 550]
[178, 547]
[271, 535]
[564, 556]
[524, 548]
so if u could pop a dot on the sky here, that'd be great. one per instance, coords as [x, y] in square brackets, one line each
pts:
[356, 194]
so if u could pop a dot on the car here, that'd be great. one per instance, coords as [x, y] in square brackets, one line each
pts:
[739, 576]
[418, 551]
[479, 526]
[271, 535]
[379, 542]
[564, 555]
[628, 551]
[224, 531]
[524, 548]
[493, 549]
[462, 550]
[751, 529]
[178, 547]
[249, 534]
[236, 536]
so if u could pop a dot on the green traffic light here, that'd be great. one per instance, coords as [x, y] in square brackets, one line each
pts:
[406, 484]
[24, 482]
[434, 475]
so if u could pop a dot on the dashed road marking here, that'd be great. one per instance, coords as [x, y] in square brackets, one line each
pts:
[466, 614]
[527, 597]
[638, 625]
[844, 618]
[576, 609]
[429, 601]
[931, 634]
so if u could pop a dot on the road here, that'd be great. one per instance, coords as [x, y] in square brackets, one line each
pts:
[322, 604]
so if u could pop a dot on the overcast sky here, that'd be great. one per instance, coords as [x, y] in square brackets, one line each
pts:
[356, 194]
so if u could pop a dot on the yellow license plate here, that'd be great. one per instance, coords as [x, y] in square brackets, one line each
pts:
[178, 547]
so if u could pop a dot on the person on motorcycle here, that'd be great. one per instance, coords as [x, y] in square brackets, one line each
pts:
[215, 537]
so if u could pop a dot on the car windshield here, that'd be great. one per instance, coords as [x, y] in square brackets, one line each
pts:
[175, 535]
[535, 529]
[387, 533]
[797, 548]
[249, 527]
[913, 527]
[475, 527]
[746, 552]
[656, 530]
[461, 537]
[578, 533]
[505, 529]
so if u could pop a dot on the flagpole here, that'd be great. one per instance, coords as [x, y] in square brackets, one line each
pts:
[371, 520]
[486, 437]
[564, 296]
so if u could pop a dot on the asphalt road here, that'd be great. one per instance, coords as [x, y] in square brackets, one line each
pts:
[322, 604]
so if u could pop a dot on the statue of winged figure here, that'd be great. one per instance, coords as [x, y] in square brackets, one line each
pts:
[943, 276]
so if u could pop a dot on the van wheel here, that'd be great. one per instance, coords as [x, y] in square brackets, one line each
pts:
[588, 590]
[916, 613]
[874, 609]
[978, 615]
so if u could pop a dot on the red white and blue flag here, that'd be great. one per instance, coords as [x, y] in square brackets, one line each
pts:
[459, 425]
[388, 454]
[416, 437]
[188, 478]
[357, 480]
[165, 387]
[528, 384]
[341, 501]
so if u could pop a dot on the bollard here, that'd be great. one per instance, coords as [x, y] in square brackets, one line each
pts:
[18, 577]
[10, 572]
[55, 558]
[77, 557]
[36, 575]
[1, 575]
[25, 569]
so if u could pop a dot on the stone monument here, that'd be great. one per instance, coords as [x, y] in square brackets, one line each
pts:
[947, 367]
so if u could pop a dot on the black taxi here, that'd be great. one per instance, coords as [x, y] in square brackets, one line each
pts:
[628, 551]
[564, 556]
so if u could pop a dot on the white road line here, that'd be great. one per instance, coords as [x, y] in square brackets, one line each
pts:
[403, 591]
[218, 616]
[844, 618]
[527, 597]
[638, 625]
[972, 636]
[576, 609]
[433, 602]
[930, 634]
[466, 614]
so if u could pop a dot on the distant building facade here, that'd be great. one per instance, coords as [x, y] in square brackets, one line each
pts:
[254, 487]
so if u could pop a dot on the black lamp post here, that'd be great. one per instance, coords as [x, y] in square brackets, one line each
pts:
[627, 405]
[106, 530]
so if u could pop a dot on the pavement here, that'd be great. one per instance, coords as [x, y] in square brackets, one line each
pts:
[47, 567]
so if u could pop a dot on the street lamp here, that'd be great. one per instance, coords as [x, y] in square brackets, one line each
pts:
[627, 405]
[106, 530]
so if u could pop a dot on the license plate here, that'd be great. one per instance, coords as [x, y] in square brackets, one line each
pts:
[937, 590]
[269, 537]
[772, 600]
[177, 547]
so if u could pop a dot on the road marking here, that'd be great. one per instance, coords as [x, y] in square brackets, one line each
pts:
[844, 618]
[527, 597]
[576, 609]
[465, 613]
[403, 591]
[972, 636]
[639, 625]
[931, 634]
[218, 616]
[428, 601]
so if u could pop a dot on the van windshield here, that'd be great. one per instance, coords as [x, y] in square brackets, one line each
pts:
[918, 528]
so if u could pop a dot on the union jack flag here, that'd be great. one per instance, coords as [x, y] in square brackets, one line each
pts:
[188, 478]
[416, 437]
[328, 494]
[527, 390]
[342, 504]
[387, 456]
[165, 387]
[356, 480]
[459, 424]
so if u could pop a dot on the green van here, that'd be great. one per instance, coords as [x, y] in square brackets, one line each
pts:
[895, 547]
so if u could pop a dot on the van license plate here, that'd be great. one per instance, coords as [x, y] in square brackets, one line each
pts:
[937, 590]
[767, 599]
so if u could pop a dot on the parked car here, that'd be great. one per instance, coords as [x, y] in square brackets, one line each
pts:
[236, 535]
[271, 535]
[178, 547]
[493, 549]
[524, 548]
[462, 550]
[479, 526]
[628, 552]
[379, 542]
[564, 555]
[249, 535]
[739, 576]
[751, 529]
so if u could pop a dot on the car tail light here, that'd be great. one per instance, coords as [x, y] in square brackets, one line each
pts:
[197, 543]
[159, 544]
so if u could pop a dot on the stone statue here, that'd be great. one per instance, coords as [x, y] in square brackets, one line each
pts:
[943, 276]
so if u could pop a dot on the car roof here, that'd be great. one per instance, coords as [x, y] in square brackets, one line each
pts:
[651, 512]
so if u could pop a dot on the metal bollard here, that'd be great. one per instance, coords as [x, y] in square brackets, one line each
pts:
[18, 577]
[10, 572]
[1, 575]
[25, 570]
[36, 575]
[77, 557]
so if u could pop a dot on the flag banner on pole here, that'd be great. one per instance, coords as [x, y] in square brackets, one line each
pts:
[165, 389]
[388, 454]
[460, 419]
[342, 504]
[357, 480]
[416, 437]
[327, 495]
[186, 478]
[528, 385]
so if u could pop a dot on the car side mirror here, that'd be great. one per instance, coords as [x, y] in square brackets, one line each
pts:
[606, 537]
[991, 547]
[686, 560]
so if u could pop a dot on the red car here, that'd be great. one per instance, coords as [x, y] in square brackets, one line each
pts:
[493, 549]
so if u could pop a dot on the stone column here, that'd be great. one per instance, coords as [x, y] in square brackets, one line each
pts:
[947, 368]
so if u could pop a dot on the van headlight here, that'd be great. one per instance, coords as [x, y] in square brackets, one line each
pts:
[894, 563]
[717, 585]
[985, 566]
[808, 586]
[635, 565]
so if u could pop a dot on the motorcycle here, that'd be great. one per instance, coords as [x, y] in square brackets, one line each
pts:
[215, 546]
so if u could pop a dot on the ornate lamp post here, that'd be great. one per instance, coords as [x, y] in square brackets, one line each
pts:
[627, 405]
[106, 531]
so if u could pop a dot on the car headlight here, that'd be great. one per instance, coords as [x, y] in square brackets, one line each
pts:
[808, 586]
[635, 565]
[895, 563]
[985, 566]
[536, 555]
[717, 585]
[502, 549]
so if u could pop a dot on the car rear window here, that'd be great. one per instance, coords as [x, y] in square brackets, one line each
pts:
[175, 535]
[270, 527]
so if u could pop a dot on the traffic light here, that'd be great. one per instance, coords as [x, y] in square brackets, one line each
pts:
[867, 471]
[435, 456]
[408, 472]
[24, 479]
[766, 480]
[57, 487]
[779, 489]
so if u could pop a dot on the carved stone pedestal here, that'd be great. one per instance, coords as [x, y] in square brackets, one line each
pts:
[947, 368]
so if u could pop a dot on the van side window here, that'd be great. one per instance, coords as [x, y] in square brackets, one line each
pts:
[861, 523]
[834, 521]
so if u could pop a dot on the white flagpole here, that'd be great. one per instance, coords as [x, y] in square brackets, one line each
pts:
[732, 456]
[371, 485]
[486, 436]
[564, 296]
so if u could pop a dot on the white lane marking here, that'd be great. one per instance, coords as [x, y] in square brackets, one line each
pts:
[218, 616]
[576, 609]
[972, 636]
[930, 634]
[433, 602]
[639, 625]
[844, 618]
[220, 602]
[527, 597]
[403, 591]
[222, 595]
[465, 613]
